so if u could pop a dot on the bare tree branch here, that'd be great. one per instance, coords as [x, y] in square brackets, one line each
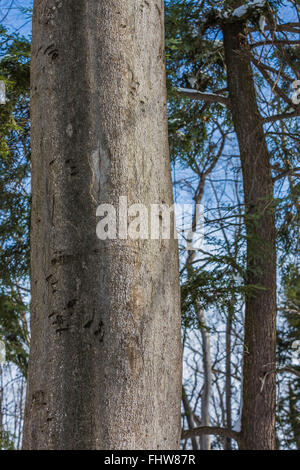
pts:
[212, 431]
[272, 84]
[287, 28]
[289, 370]
[271, 42]
[291, 171]
[278, 117]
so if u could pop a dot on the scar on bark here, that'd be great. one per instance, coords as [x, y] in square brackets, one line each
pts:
[62, 259]
[52, 52]
[72, 303]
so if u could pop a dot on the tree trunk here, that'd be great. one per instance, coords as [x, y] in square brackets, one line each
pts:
[189, 417]
[105, 363]
[258, 420]
[1, 406]
[207, 385]
[294, 416]
[228, 385]
[205, 440]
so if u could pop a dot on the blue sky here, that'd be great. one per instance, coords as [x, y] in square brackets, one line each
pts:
[13, 16]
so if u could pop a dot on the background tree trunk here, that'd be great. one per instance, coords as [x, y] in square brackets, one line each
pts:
[105, 363]
[189, 417]
[258, 420]
[228, 385]
[207, 376]
[1, 406]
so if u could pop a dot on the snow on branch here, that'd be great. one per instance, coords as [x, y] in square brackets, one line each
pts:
[198, 95]
[250, 10]
[248, 7]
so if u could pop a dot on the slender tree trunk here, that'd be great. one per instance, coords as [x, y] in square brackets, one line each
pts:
[21, 413]
[206, 393]
[1, 405]
[205, 440]
[228, 444]
[258, 420]
[189, 417]
[105, 362]
[294, 416]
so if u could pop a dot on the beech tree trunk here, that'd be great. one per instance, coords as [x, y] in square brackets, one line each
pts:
[258, 418]
[105, 362]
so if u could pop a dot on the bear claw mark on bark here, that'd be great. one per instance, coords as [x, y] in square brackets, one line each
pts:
[71, 304]
[88, 324]
[99, 332]
[142, 6]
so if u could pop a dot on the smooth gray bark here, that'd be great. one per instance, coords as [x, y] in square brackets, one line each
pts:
[206, 393]
[105, 363]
